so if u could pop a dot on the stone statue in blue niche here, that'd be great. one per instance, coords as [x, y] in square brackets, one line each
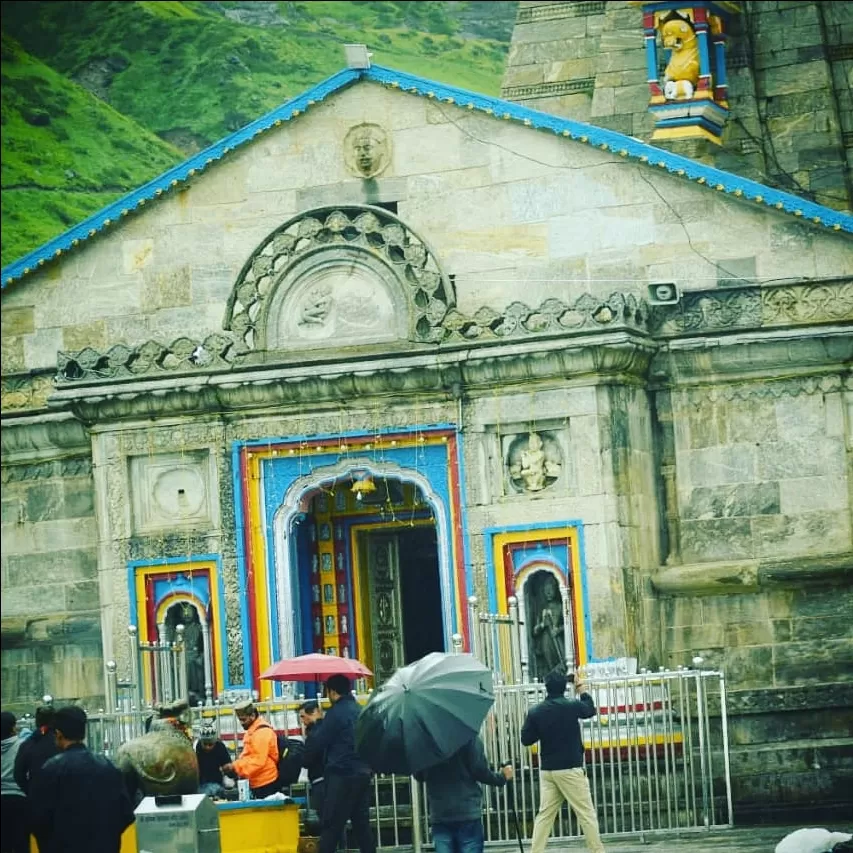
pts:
[546, 624]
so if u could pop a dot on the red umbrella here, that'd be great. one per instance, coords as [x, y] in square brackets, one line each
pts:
[315, 667]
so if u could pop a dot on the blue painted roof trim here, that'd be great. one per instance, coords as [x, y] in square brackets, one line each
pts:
[610, 140]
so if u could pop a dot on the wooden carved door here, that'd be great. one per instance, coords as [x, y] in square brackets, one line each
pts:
[386, 612]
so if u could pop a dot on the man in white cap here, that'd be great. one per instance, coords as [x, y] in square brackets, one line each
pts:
[258, 761]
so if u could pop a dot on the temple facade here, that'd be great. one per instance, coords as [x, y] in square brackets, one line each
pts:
[396, 345]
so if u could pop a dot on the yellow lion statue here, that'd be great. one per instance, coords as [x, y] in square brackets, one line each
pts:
[682, 72]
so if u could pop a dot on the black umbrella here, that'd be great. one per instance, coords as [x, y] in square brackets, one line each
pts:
[424, 713]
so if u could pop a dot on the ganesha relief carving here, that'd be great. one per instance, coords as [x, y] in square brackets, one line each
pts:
[533, 462]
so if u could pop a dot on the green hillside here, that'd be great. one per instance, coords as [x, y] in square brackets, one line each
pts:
[65, 153]
[191, 72]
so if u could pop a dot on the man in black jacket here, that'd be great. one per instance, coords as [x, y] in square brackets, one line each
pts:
[79, 803]
[554, 723]
[36, 749]
[347, 777]
[456, 798]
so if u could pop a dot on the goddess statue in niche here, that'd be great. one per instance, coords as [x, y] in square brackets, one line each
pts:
[531, 468]
[546, 628]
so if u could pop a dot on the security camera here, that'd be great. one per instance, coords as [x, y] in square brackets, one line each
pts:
[663, 293]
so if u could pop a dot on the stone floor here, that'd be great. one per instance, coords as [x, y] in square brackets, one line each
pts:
[739, 840]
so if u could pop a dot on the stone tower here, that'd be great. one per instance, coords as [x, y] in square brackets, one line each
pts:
[789, 67]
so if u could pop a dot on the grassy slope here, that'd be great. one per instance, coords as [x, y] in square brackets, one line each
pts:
[56, 174]
[188, 71]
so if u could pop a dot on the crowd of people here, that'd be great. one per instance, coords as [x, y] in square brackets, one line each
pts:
[54, 787]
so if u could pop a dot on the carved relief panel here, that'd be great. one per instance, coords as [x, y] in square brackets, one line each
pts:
[533, 461]
[341, 297]
[173, 491]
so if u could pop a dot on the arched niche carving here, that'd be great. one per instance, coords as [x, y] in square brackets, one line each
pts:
[338, 276]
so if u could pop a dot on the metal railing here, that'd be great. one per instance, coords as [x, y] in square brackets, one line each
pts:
[656, 754]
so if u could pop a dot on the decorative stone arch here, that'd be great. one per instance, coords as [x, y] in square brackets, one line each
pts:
[339, 268]
[295, 504]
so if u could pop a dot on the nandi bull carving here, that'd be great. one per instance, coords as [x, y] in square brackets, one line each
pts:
[163, 760]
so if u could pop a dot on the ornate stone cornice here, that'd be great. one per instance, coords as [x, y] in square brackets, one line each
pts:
[801, 697]
[548, 90]
[753, 332]
[761, 307]
[620, 355]
[587, 314]
[45, 434]
[794, 387]
[749, 363]
[726, 578]
[556, 11]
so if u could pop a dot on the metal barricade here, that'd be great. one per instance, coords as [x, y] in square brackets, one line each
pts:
[656, 756]
[656, 753]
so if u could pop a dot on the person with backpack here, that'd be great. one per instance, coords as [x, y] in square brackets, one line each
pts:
[258, 761]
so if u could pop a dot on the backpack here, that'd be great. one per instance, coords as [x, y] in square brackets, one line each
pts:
[290, 752]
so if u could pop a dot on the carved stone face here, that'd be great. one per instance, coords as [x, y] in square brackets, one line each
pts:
[366, 149]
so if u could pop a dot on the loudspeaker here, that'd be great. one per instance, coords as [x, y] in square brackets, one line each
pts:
[663, 293]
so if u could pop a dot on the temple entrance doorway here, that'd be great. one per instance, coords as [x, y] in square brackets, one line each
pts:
[400, 571]
[368, 551]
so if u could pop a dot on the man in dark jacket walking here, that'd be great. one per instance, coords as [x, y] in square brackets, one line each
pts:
[554, 723]
[456, 798]
[347, 777]
[78, 802]
[36, 749]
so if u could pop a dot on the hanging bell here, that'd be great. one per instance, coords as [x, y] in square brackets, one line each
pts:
[364, 485]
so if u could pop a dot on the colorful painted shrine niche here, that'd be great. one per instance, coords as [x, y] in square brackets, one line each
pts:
[335, 574]
[542, 569]
[686, 65]
[184, 592]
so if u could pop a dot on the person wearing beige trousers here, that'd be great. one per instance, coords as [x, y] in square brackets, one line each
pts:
[555, 725]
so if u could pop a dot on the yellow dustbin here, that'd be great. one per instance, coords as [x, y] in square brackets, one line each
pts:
[259, 826]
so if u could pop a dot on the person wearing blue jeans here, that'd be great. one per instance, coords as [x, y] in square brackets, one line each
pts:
[456, 798]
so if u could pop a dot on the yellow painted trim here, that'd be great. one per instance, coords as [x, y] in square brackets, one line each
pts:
[259, 568]
[686, 133]
[570, 534]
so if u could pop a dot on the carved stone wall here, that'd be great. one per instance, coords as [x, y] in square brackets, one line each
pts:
[51, 617]
[786, 77]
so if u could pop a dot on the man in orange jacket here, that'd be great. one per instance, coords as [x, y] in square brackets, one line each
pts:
[258, 761]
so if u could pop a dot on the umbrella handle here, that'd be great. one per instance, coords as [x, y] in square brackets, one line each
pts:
[517, 826]
[514, 812]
